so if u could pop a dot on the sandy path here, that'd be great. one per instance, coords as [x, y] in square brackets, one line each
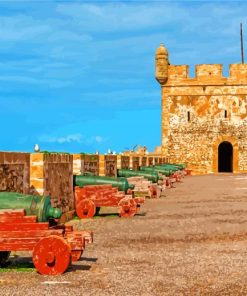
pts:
[191, 242]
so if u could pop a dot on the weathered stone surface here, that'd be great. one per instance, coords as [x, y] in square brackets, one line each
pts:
[200, 113]
[125, 162]
[135, 163]
[14, 172]
[111, 165]
[91, 164]
[11, 177]
[78, 164]
[58, 185]
[156, 161]
[52, 175]
[144, 161]
[150, 161]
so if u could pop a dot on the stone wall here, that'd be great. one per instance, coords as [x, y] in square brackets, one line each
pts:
[144, 161]
[87, 163]
[135, 163]
[110, 165]
[200, 113]
[78, 164]
[14, 172]
[125, 162]
[215, 111]
[156, 160]
[91, 164]
[107, 165]
[150, 161]
[165, 160]
[52, 175]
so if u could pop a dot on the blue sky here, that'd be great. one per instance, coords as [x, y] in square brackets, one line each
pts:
[78, 76]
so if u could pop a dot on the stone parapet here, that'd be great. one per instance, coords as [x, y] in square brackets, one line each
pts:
[51, 174]
[210, 74]
[14, 172]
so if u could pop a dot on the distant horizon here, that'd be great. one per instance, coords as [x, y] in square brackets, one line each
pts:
[79, 76]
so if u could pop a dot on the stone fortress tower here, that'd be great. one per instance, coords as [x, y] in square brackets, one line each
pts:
[204, 119]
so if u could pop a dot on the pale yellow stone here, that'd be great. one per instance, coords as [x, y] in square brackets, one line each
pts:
[36, 157]
[37, 183]
[36, 172]
[193, 120]
[101, 165]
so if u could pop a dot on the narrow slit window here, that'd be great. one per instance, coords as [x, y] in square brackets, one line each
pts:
[225, 113]
[188, 116]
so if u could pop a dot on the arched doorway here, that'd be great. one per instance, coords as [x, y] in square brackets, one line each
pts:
[225, 157]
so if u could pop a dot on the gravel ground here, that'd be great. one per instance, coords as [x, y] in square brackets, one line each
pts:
[192, 241]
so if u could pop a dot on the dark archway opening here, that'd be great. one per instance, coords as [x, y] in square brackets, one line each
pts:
[225, 156]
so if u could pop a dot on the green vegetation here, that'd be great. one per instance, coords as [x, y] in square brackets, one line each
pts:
[76, 218]
[106, 216]
[53, 152]
[100, 216]
[20, 266]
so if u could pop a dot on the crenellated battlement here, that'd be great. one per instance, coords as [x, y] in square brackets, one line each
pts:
[178, 71]
[204, 110]
[238, 71]
[207, 73]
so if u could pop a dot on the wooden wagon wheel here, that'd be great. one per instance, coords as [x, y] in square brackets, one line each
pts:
[85, 209]
[76, 255]
[52, 255]
[4, 256]
[128, 207]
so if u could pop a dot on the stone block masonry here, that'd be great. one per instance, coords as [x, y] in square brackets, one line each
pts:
[107, 165]
[204, 118]
[14, 172]
[52, 174]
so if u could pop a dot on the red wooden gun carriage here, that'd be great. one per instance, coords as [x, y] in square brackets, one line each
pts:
[53, 247]
[91, 197]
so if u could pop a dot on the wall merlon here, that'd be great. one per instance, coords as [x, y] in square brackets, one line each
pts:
[202, 111]
[205, 75]
[238, 71]
[209, 71]
[178, 71]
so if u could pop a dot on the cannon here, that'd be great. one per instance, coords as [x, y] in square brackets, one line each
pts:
[171, 166]
[180, 165]
[172, 169]
[151, 176]
[176, 172]
[121, 183]
[172, 174]
[89, 199]
[53, 247]
[163, 171]
[39, 206]
[146, 188]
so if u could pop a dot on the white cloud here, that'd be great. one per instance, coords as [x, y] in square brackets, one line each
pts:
[127, 97]
[21, 27]
[56, 83]
[76, 138]
[98, 139]
[111, 17]
[66, 139]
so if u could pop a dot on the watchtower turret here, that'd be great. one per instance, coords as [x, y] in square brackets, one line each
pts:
[161, 58]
